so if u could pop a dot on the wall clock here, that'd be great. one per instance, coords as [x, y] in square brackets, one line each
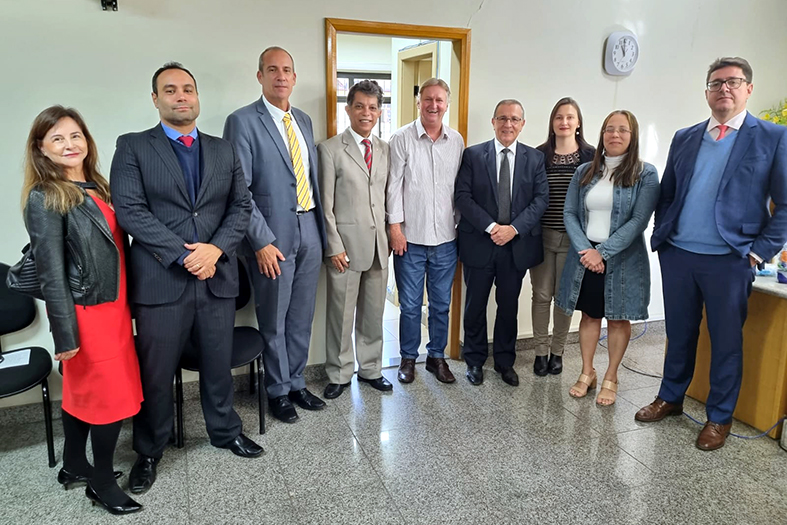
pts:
[621, 53]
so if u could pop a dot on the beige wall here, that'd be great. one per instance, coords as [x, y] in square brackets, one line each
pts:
[71, 52]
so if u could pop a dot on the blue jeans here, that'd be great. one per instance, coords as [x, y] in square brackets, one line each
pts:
[437, 264]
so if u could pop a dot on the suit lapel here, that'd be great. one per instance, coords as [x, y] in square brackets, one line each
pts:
[352, 149]
[160, 143]
[691, 149]
[377, 158]
[520, 165]
[739, 149]
[273, 131]
[490, 159]
[207, 163]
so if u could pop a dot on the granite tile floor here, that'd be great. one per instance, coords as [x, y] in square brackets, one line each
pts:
[429, 453]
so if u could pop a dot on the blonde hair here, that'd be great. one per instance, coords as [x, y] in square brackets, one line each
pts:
[435, 82]
[41, 173]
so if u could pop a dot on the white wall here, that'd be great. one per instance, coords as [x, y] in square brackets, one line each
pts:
[363, 53]
[71, 52]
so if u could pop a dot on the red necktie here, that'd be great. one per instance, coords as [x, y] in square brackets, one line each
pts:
[186, 140]
[367, 156]
[722, 131]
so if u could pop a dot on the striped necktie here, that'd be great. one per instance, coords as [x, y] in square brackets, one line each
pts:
[302, 184]
[367, 155]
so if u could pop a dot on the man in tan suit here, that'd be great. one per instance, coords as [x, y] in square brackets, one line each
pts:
[353, 171]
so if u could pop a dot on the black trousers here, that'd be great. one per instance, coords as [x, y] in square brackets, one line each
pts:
[162, 333]
[502, 272]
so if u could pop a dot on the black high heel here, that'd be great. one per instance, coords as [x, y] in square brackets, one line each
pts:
[127, 507]
[67, 478]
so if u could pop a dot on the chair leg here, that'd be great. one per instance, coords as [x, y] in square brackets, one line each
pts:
[261, 393]
[252, 383]
[179, 407]
[50, 441]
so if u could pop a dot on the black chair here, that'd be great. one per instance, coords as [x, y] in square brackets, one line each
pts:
[18, 311]
[247, 347]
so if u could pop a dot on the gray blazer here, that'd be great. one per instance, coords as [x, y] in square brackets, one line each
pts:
[152, 205]
[354, 200]
[269, 175]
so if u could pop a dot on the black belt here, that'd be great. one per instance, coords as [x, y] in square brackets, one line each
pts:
[303, 212]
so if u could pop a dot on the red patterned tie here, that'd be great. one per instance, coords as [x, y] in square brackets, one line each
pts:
[186, 140]
[367, 156]
[722, 131]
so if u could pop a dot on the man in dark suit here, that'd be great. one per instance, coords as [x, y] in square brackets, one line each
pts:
[181, 196]
[713, 225]
[501, 193]
[286, 235]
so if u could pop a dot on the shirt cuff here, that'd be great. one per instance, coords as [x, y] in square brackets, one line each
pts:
[756, 257]
[515, 230]
[183, 257]
[489, 228]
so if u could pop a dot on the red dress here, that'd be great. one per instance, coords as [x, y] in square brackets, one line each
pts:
[101, 382]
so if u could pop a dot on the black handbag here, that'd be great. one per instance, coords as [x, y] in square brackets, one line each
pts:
[22, 277]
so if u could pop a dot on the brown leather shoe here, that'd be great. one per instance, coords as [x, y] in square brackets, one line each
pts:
[406, 371]
[657, 411]
[713, 436]
[439, 368]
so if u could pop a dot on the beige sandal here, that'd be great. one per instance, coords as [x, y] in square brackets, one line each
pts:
[612, 387]
[584, 379]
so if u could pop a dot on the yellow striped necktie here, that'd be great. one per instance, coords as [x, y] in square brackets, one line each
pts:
[302, 184]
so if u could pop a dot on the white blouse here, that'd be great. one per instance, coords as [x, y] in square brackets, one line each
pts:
[598, 202]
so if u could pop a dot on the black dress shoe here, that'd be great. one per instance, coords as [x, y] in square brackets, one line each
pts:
[244, 447]
[475, 374]
[143, 474]
[67, 478]
[334, 390]
[508, 374]
[282, 409]
[540, 365]
[555, 365]
[381, 383]
[124, 507]
[306, 400]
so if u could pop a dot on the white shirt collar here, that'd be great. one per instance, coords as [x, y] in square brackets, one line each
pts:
[359, 138]
[276, 113]
[735, 122]
[419, 127]
[499, 146]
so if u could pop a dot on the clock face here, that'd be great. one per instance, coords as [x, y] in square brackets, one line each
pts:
[625, 54]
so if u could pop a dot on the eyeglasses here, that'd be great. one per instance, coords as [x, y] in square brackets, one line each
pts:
[620, 131]
[512, 120]
[732, 83]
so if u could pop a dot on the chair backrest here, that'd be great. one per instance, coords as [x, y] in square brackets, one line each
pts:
[244, 282]
[17, 311]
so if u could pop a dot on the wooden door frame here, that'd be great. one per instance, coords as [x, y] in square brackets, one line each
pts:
[460, 38]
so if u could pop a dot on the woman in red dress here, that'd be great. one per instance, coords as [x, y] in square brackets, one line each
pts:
[79, 253]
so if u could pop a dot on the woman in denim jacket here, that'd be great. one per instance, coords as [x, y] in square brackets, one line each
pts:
[607, 272]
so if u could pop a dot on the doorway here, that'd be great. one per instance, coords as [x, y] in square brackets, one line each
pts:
[417, 53]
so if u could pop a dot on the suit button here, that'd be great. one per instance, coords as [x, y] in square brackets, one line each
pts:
[293, 184]
[372, 205]
[374, 228]
[196, 214]
[292, 209]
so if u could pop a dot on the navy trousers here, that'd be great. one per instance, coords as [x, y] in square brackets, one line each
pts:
[723, 284]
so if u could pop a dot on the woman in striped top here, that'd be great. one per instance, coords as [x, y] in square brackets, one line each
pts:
[564, 150]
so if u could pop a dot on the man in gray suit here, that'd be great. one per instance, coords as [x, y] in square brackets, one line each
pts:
[286, 234]
[353, 173]
[180, 194]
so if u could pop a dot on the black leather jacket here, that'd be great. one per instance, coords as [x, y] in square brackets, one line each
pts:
[76, 247]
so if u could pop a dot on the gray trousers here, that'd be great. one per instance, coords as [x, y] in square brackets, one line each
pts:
[285, 309]
[545, 281]
[356, 300]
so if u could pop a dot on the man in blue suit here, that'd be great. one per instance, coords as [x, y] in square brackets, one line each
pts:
[501, 192]
[286, 234]
[713, 225]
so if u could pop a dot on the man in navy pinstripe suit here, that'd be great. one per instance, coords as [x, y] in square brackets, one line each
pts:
[182, 197]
